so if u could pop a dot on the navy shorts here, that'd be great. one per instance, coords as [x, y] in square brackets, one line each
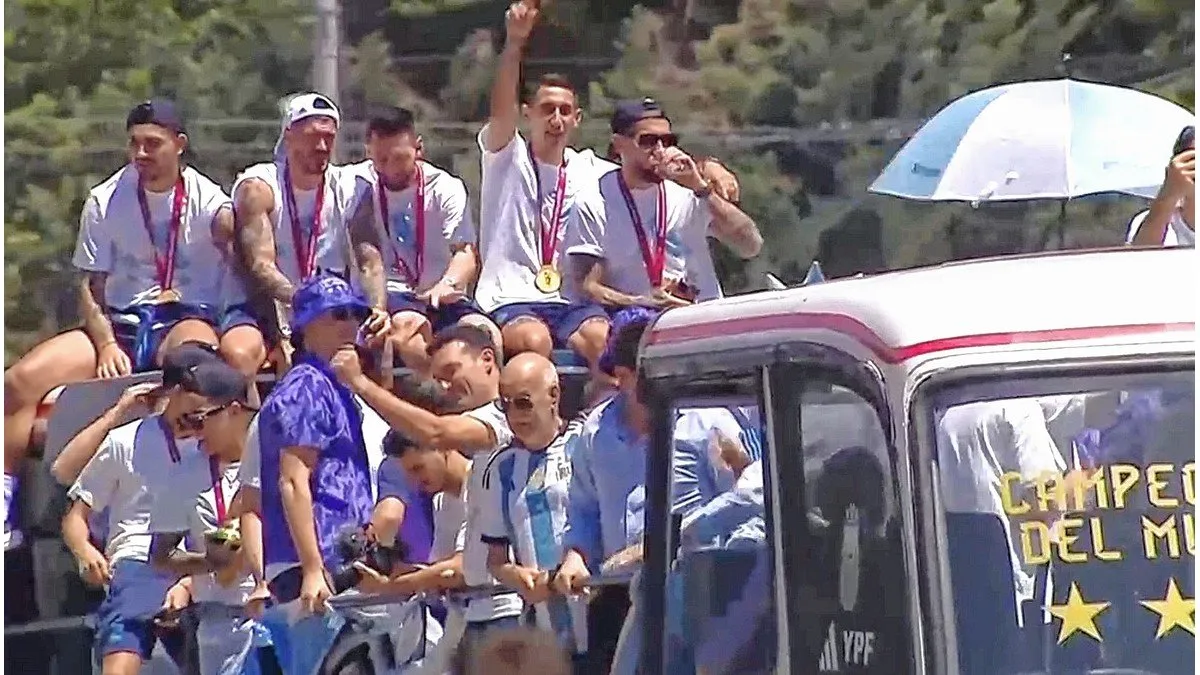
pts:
[140, 329]
[561, 318]
[125, 620]
[440, 318]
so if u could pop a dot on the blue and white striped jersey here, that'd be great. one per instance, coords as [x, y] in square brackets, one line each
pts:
[524, 505]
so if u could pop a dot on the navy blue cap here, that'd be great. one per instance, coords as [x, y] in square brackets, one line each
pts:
[218, 382]
[159, 111]
[630, 318]
[321, 294]
[181, 358]
[628, 113]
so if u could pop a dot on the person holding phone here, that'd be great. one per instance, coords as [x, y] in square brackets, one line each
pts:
[1171, 218]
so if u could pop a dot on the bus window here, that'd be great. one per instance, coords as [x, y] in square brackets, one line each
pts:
[720, 609]
[853, 586]
[1069, 511]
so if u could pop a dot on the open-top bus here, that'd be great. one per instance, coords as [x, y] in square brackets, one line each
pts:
[908, 528]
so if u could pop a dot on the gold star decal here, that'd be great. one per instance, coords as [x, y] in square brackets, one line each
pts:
[1077, 615]
[1173, 610]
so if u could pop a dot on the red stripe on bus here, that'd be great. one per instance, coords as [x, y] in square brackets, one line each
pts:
[855, 329]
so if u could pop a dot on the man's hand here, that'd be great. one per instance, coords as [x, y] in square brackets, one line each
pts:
[177, 599]
[112, 362]
[256, 602]
[1181, 176]
[722, 180]
[729, 452]
[623, 559]
[314, 592]
[94, 568]
[675, 164]
[519, 21]
[377, 326]
[572, 576]
[134, 398]
[346, 365]
[660, 298]
[532, 585]
[441, 294]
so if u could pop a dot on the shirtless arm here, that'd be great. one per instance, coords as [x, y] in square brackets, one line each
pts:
[255, 240]
[365, 241]
[223, 231]
[504, 112]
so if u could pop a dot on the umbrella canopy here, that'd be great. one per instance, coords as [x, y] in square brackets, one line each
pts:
[1047, 139]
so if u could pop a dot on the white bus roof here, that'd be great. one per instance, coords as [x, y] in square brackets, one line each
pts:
[1146, 294]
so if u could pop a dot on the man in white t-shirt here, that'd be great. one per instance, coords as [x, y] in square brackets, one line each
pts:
[659, 201]
[131, 459]
[192, 503]
[290, 225]
[464, 362]
[413, 238]
[1171, 218]
[150, 253]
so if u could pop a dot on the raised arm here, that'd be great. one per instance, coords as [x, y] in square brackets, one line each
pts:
[505, 104]
[84, 445]
[255, 240]
[368, 252]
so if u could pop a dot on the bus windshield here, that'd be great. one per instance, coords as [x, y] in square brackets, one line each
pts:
[1069, 522]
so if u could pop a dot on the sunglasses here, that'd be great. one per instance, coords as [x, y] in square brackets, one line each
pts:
[194, 421]
[649, 141]
[519, 404]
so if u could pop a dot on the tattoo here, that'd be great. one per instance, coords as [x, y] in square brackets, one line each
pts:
[589, 275]
[255, 241]
[734, 228]
[463, 265]
[223, 230]
[368, 252]
[91, 309]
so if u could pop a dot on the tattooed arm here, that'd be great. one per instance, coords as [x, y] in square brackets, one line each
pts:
[733, 227]
[91, 308]
[367, 247]
[589, 277]
[255, 240]
[224, 232]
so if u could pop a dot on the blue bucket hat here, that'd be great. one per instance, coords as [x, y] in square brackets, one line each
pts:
[624, 320]
[324, 293]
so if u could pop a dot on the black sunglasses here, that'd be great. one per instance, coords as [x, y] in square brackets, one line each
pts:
[648, 141]
[347, 314]
[520, 404]
[194, 421]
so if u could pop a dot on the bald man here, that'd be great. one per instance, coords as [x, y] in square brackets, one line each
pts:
[524, 498]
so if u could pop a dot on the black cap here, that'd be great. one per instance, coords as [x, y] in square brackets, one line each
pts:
[218, 382]
[159, 111]
[1186, 140]
[183, 357]
[628, 113]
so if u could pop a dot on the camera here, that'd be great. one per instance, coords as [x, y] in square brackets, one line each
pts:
[353, 545]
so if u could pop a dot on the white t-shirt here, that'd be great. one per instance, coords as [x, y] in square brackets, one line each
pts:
[130, 458]
[187, 502]
[603, 227]
[113, 239]
[510, 228]
[333, 244]
[448, 223]
[250, 470]
[475, 570]
[449, 522]
[1177, 233]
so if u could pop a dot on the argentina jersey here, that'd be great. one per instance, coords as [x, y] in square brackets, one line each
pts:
[525, 505]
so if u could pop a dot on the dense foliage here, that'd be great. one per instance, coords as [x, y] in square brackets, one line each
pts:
[805, 98]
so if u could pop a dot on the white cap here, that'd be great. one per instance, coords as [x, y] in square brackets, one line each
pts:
[297, 107]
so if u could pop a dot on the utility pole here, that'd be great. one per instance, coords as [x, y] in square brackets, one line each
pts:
[326, 52]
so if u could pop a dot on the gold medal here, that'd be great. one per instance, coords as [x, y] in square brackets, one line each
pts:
[166, 295]
[548, 280]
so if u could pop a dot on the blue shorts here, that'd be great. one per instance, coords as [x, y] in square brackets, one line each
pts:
[440, 318]
[561, 318]
[140, 329]
[125, 620]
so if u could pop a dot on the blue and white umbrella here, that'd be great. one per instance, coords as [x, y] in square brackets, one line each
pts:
[1047, 139]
